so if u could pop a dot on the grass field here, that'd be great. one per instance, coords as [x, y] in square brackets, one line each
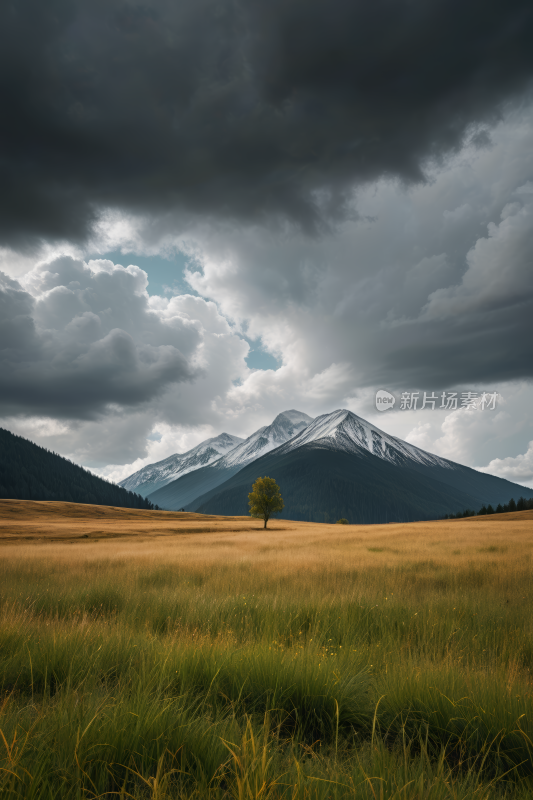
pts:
[160, 655]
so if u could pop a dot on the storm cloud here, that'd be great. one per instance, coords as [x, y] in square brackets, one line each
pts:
[80, 337]
[349, 186]
[432, 287]
[255, 111]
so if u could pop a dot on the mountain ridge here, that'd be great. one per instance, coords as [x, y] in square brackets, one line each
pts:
[320, 484]
[280, 430]
[382, 478]
[182, 491]
[345, 430]
[154, 476]
[342, 465]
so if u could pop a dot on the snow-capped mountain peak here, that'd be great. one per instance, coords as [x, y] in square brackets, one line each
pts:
[222, 452]
[155, 476]
[343, 430]
[285, 426]
[296, 417]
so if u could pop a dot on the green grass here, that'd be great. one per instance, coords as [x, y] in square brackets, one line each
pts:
[124, 678]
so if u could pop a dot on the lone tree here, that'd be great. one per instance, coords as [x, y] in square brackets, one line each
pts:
[265, 499]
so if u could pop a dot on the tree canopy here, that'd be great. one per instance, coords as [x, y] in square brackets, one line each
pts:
[265, 499]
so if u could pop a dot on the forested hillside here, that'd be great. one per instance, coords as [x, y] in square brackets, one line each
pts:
[30, 472]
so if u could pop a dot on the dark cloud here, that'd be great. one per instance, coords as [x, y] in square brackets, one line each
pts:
[433, 290]
[87, 340]
[17, 329]
[238, 109]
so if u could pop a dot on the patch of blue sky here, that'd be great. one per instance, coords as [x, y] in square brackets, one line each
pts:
[259, 358]
[165, 275]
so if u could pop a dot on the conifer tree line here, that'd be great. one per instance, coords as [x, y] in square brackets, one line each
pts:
[522, 504]
[30, 472]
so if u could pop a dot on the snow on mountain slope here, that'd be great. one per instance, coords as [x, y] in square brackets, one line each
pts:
[155, 476]
[180, 493]
[285, 426]
[296, 417]
[343, 430]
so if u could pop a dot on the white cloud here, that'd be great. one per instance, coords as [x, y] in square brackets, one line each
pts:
[83, 343]
[491, 440]
[518, 469]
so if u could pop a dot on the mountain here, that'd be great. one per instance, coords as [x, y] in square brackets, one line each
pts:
[285, 426]
[344, 431]
[30, 472]
[155, 476]
[342, 466]
[185, 489]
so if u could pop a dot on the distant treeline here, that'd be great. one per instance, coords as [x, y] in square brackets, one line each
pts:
[30, 472]
[521, 505]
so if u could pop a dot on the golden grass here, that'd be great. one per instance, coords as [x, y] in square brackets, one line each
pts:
[31, 529]
[133, 611]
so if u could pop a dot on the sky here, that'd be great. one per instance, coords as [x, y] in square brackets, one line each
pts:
[213, 211]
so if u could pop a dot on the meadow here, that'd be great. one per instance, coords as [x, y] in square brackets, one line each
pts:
[157, 655]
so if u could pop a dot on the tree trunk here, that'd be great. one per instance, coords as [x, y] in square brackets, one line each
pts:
[266, 520]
